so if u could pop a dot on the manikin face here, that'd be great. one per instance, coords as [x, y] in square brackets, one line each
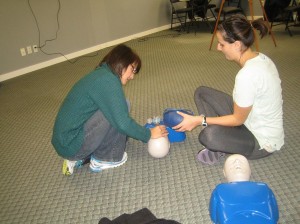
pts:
[128, 73]
[237, 168]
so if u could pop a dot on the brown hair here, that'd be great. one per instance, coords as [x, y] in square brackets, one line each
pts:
[120, 57]
[237, 27]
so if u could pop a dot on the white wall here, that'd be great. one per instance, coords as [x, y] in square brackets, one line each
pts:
[84, 26]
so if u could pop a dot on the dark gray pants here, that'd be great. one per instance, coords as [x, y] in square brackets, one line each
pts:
[101, 140]
[232, 140]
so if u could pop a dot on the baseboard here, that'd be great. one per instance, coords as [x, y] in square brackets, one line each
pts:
[254, 17]
[57, 60]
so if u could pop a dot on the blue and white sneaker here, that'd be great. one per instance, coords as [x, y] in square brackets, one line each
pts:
[68, 166]
[98, 165]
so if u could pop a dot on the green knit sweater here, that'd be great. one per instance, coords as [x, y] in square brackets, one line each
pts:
[100, 90]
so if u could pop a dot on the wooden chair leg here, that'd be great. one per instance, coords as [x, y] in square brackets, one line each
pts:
[217, 23]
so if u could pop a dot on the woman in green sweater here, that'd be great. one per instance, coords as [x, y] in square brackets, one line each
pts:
[94, 122]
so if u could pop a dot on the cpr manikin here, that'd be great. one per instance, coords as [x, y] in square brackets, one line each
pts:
[159, 147]
[241, 200]
[237, 168]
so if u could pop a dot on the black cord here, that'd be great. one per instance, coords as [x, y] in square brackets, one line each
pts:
[56, 34]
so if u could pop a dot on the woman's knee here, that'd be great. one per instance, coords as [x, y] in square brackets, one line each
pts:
[200, 90]
[203, 92]
[207, 135]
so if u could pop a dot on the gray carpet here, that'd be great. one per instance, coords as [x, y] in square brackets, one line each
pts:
[33, 189]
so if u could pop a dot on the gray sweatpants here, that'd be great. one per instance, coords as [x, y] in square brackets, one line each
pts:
[232, 140]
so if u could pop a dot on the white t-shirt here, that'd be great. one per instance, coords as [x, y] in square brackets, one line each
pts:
[258, 85]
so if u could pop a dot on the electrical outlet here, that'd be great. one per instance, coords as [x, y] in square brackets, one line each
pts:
[23, 52]
[35, 48]
[29, 49]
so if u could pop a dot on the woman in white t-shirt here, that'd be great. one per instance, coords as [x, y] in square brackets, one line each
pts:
[249, 122]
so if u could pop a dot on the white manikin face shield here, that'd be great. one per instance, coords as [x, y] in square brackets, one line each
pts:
[237, 168]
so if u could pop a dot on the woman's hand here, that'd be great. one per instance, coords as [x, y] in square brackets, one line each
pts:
[188, 123]
[159, 131]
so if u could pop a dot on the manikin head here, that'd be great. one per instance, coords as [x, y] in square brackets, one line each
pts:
[237, 168]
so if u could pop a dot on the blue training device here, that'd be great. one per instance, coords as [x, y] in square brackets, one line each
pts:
[171, 118]
[243, 202]
[173, 135]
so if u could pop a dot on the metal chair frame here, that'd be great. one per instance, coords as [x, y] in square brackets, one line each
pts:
[287, 17]
[179, 15]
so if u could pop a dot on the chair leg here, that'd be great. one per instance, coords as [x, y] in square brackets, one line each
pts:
[177, 17]
[213, 14]
[186, 15]
[210, 27]
[194, 20]
[289, 16]
[191, 23]
[287, 28]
